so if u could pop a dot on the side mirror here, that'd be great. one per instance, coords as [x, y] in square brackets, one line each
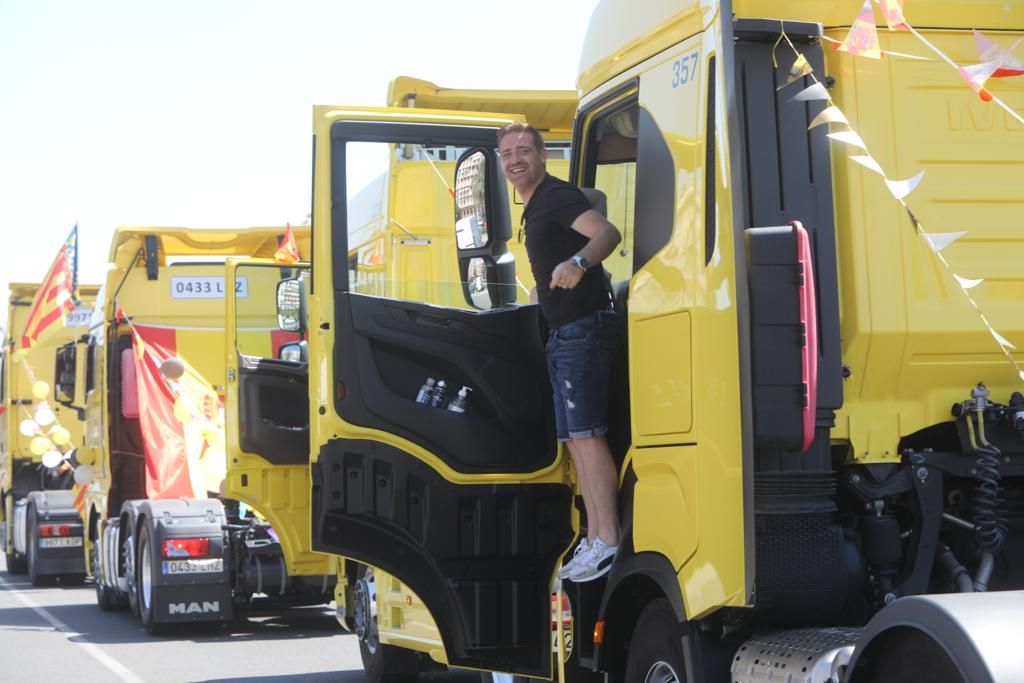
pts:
[482, 228]
[294, 352]
[291, 305]
[69, 384]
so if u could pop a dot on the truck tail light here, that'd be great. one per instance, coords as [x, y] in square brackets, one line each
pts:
[54, 530]
[186, 547]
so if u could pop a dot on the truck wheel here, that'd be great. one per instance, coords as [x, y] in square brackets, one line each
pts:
[105, 597]
[656, 649]
[32, 550]
[144, 584]
[128, 551]
[15, 564]
[382, 663]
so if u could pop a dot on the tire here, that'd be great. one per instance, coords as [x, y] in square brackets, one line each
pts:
[107, 599]
[15, 564]
[656, 648]
[128, 550]
[32, 550]
[144, 584]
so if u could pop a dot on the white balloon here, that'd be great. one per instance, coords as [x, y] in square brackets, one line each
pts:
[83, 475]
[44, 415]
[52, 458]
[29, 428]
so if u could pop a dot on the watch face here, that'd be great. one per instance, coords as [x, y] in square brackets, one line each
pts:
[581, 262]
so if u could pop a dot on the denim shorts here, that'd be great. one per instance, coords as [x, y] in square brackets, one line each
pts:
[579, 365]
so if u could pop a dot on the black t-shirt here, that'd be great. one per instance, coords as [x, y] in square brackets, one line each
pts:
[550, 240]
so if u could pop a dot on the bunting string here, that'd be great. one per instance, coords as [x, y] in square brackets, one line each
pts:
[862, 41]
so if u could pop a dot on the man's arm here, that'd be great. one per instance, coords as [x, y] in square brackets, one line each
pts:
[604, 237]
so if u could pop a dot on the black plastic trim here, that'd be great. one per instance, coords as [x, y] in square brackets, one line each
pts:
[733, 133]
[481, 556]
[655, 200]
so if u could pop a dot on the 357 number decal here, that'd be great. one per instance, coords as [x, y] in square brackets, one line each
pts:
[684, 69]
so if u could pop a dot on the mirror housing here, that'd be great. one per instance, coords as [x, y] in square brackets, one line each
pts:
[482, 229]
[291, 304]
[70, 367]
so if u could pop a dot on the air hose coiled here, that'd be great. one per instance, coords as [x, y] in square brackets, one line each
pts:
[989, 507]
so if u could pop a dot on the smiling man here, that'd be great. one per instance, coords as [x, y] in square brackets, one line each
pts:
[565, 241]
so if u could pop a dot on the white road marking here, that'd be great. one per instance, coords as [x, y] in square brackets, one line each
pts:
[99, 655]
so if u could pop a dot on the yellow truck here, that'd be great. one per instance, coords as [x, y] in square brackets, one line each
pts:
[40, 529]
[798, 499]
[199, 502]
[400, 245]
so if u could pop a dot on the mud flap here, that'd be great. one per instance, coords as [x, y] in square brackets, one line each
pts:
[187, 589]
[61, 554]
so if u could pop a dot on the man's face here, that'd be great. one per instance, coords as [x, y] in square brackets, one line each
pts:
[522, 162]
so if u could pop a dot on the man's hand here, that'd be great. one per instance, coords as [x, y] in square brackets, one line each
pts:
[566, 275]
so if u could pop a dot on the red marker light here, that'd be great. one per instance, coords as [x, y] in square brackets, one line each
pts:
[186, 547]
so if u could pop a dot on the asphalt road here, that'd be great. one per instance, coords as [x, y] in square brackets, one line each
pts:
[58, 633]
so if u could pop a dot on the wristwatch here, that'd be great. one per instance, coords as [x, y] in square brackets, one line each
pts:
[580, 262]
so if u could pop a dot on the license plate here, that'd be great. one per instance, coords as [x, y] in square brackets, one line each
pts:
[61, 542]
[213, 565]
[206, 287]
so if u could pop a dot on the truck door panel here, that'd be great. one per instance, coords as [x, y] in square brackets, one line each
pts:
[439, 499]
[508, 425]
[273, 398]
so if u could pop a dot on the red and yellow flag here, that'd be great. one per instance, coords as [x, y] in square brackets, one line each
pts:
[56, 296]
[181, 417]
[288, 250]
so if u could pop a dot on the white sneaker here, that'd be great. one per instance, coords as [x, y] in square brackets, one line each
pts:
[567, 568]
[594, 563]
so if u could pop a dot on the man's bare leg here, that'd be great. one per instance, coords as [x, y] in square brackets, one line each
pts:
[599, 484]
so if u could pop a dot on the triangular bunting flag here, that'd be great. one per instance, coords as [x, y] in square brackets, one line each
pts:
[893, 11]
[801, 67]
[967, 283]
[849, 137]
[988, 51]
[831, 114]
[1001, 339]
[862, 40]
[869, 163]
[810, 94]
[901, 188]
[976, 75]
[940, 240]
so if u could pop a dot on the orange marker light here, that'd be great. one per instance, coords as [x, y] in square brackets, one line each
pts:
[599, 633]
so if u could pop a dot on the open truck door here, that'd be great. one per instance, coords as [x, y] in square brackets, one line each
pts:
[267, 405]
[464, 500]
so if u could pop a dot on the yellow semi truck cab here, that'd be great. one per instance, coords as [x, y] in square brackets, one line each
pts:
[41, 533]
[192, 514]
[815, 419]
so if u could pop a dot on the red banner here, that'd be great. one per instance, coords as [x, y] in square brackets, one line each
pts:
[181, 418]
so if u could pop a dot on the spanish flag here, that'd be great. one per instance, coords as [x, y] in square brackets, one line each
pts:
[288, 250]
[56, 296]
[181, 417]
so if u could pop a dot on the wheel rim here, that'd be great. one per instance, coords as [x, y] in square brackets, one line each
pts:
[662, 672]
[365, 619]
[146, 574]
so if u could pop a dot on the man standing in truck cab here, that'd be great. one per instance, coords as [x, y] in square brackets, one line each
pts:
[566, 240]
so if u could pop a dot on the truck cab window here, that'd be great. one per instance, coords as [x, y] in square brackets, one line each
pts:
[610, 166]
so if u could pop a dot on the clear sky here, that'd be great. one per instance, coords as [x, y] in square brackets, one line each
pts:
[198, 112]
